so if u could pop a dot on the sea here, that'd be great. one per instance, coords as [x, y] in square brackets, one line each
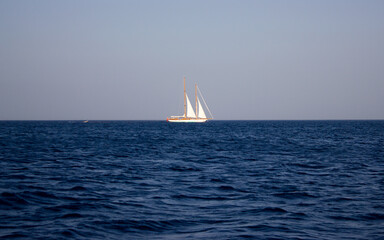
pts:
[213, 180]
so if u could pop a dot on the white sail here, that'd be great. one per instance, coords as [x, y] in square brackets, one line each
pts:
[190, 112]
[200, 112]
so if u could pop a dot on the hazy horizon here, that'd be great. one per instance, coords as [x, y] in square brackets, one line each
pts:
[252, 60]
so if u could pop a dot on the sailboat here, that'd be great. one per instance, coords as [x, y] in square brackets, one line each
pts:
[189, 113]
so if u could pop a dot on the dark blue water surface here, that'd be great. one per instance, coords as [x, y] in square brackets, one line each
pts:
[217, 180]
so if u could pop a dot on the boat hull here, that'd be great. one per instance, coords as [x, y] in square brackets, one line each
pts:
[187, 120]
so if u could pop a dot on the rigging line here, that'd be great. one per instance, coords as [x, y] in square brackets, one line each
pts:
[204, 101]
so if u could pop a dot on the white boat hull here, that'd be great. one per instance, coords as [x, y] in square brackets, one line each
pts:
[187, 120]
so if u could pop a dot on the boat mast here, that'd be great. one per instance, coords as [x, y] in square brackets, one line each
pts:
[197, 113]
[185, 101]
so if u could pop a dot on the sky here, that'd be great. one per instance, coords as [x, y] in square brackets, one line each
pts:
[252, 60]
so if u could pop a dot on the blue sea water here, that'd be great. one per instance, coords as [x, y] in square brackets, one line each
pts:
[217, 180]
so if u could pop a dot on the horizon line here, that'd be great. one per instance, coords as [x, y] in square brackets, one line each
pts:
[334, 119]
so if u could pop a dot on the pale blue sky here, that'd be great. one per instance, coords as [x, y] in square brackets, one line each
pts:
[125, 60]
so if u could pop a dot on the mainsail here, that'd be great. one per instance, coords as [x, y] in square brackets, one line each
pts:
[200, 112]
[190, 112]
